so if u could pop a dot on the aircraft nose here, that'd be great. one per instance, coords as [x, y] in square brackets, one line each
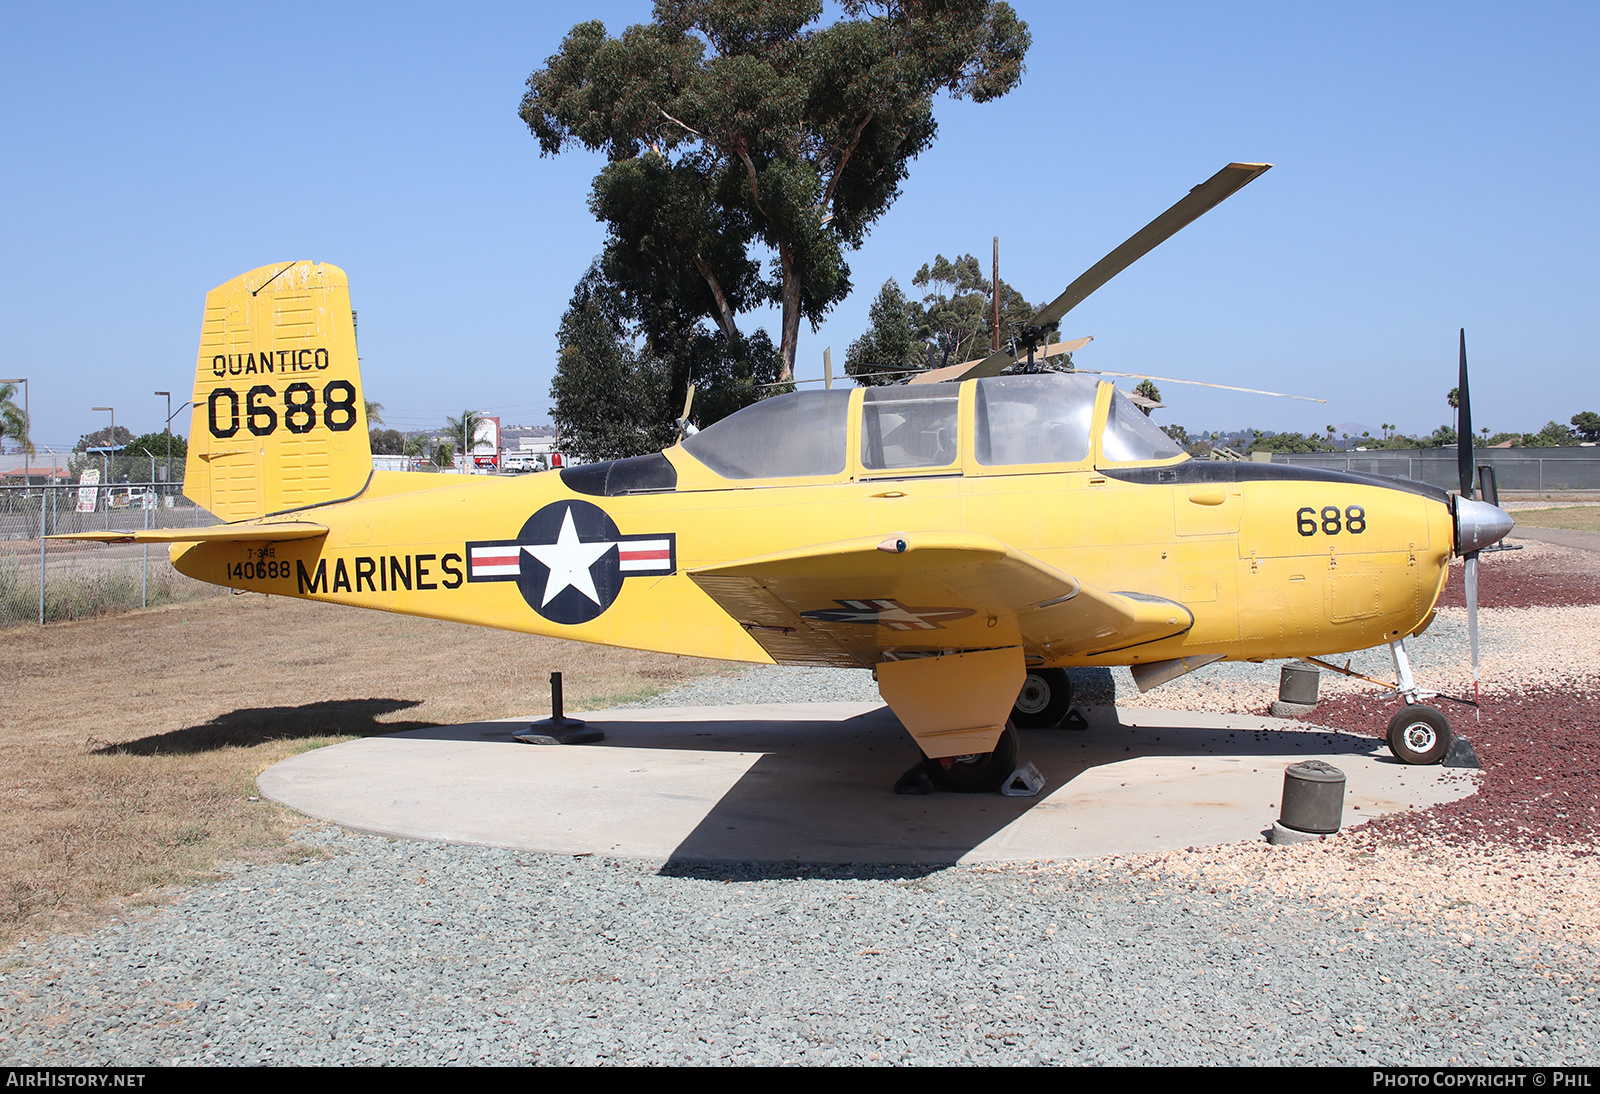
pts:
[1479, 524]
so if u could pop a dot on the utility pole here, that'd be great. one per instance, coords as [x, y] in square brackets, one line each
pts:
[995, 348]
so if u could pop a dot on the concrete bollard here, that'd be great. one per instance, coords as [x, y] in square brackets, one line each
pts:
[1297, 691]
[1313, 803]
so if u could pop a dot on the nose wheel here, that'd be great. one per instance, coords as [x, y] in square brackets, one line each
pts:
[1419, 735]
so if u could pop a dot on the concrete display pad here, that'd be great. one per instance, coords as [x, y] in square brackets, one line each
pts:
[813, 783]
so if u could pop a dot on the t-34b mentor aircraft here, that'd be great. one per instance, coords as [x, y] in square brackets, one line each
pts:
[967, 540]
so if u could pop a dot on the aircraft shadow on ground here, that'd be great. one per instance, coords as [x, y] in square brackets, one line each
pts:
[258, 725]
[820, 792]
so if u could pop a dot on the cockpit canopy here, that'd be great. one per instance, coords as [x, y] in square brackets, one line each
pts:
[1018, 420]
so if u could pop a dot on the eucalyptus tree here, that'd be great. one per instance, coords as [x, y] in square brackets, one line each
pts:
[737, 131]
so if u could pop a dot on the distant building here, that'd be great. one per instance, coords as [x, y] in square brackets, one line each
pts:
[40, 469]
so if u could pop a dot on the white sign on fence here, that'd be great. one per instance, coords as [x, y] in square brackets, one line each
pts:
[88, 484]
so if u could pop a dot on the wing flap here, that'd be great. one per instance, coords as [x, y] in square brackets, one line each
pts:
[854, 601]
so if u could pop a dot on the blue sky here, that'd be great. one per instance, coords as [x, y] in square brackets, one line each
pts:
[1436, 167]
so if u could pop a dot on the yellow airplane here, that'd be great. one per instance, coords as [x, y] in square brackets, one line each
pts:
[966, 540]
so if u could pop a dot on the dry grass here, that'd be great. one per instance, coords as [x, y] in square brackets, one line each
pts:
[1576, 518]
[129, 745]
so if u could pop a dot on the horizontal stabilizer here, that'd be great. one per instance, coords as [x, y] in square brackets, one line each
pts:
[217, 533]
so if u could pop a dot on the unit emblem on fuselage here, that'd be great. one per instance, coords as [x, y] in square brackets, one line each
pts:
[569, 560]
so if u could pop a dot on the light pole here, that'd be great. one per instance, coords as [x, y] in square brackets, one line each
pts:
[171, 414]
[168, 394]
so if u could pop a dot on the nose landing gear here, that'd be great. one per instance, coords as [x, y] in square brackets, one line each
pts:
[1419, 734]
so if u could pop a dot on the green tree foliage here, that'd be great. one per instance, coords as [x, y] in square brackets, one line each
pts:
[463, 433]
[1553, 435]
[952, 322]
[1287, 442]
[133, 462]
[13, 423]
[892, 341]
[739, 129]
[1587, 425]
[387, 442]
[610, 397]
[1148, 390]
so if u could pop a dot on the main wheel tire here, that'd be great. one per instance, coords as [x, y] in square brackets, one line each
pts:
[978, 773]
[1044, 700]
[1419, 735]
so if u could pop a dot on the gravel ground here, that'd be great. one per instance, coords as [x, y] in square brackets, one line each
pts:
[1467, 934]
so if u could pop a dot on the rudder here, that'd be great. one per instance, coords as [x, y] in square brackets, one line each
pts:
[278, 423]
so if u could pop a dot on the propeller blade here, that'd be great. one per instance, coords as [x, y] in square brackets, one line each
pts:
[1196, 383]
[1472, 609]
[1464, 426]
[1471, 580]
[1198, 201]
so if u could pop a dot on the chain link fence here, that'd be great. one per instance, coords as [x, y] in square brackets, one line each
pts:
[1535, 469]
[47, 581]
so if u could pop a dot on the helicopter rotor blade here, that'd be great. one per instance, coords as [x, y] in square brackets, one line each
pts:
[1197, 383]
[1198, 201]
[991, 365]
[683, 420]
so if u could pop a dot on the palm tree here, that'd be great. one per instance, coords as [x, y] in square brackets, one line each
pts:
[463, 432]
[374, 413]
[13, 423]
[1149, 391]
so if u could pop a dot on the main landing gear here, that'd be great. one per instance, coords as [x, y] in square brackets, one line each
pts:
[1044, 700]
[981, 773]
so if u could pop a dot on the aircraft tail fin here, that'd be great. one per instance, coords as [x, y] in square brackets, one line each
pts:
[279, 423]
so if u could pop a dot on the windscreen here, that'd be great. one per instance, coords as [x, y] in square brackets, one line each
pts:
[1131, 435]
[1034, 419]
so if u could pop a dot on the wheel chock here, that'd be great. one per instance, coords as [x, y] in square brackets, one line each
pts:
[915, 781]
[1024, 782]
[1461, 754]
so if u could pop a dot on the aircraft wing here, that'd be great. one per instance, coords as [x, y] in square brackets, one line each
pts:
[852, 602]
[226, 533]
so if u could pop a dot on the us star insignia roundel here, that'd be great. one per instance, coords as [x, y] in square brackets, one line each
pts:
[569, 560]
